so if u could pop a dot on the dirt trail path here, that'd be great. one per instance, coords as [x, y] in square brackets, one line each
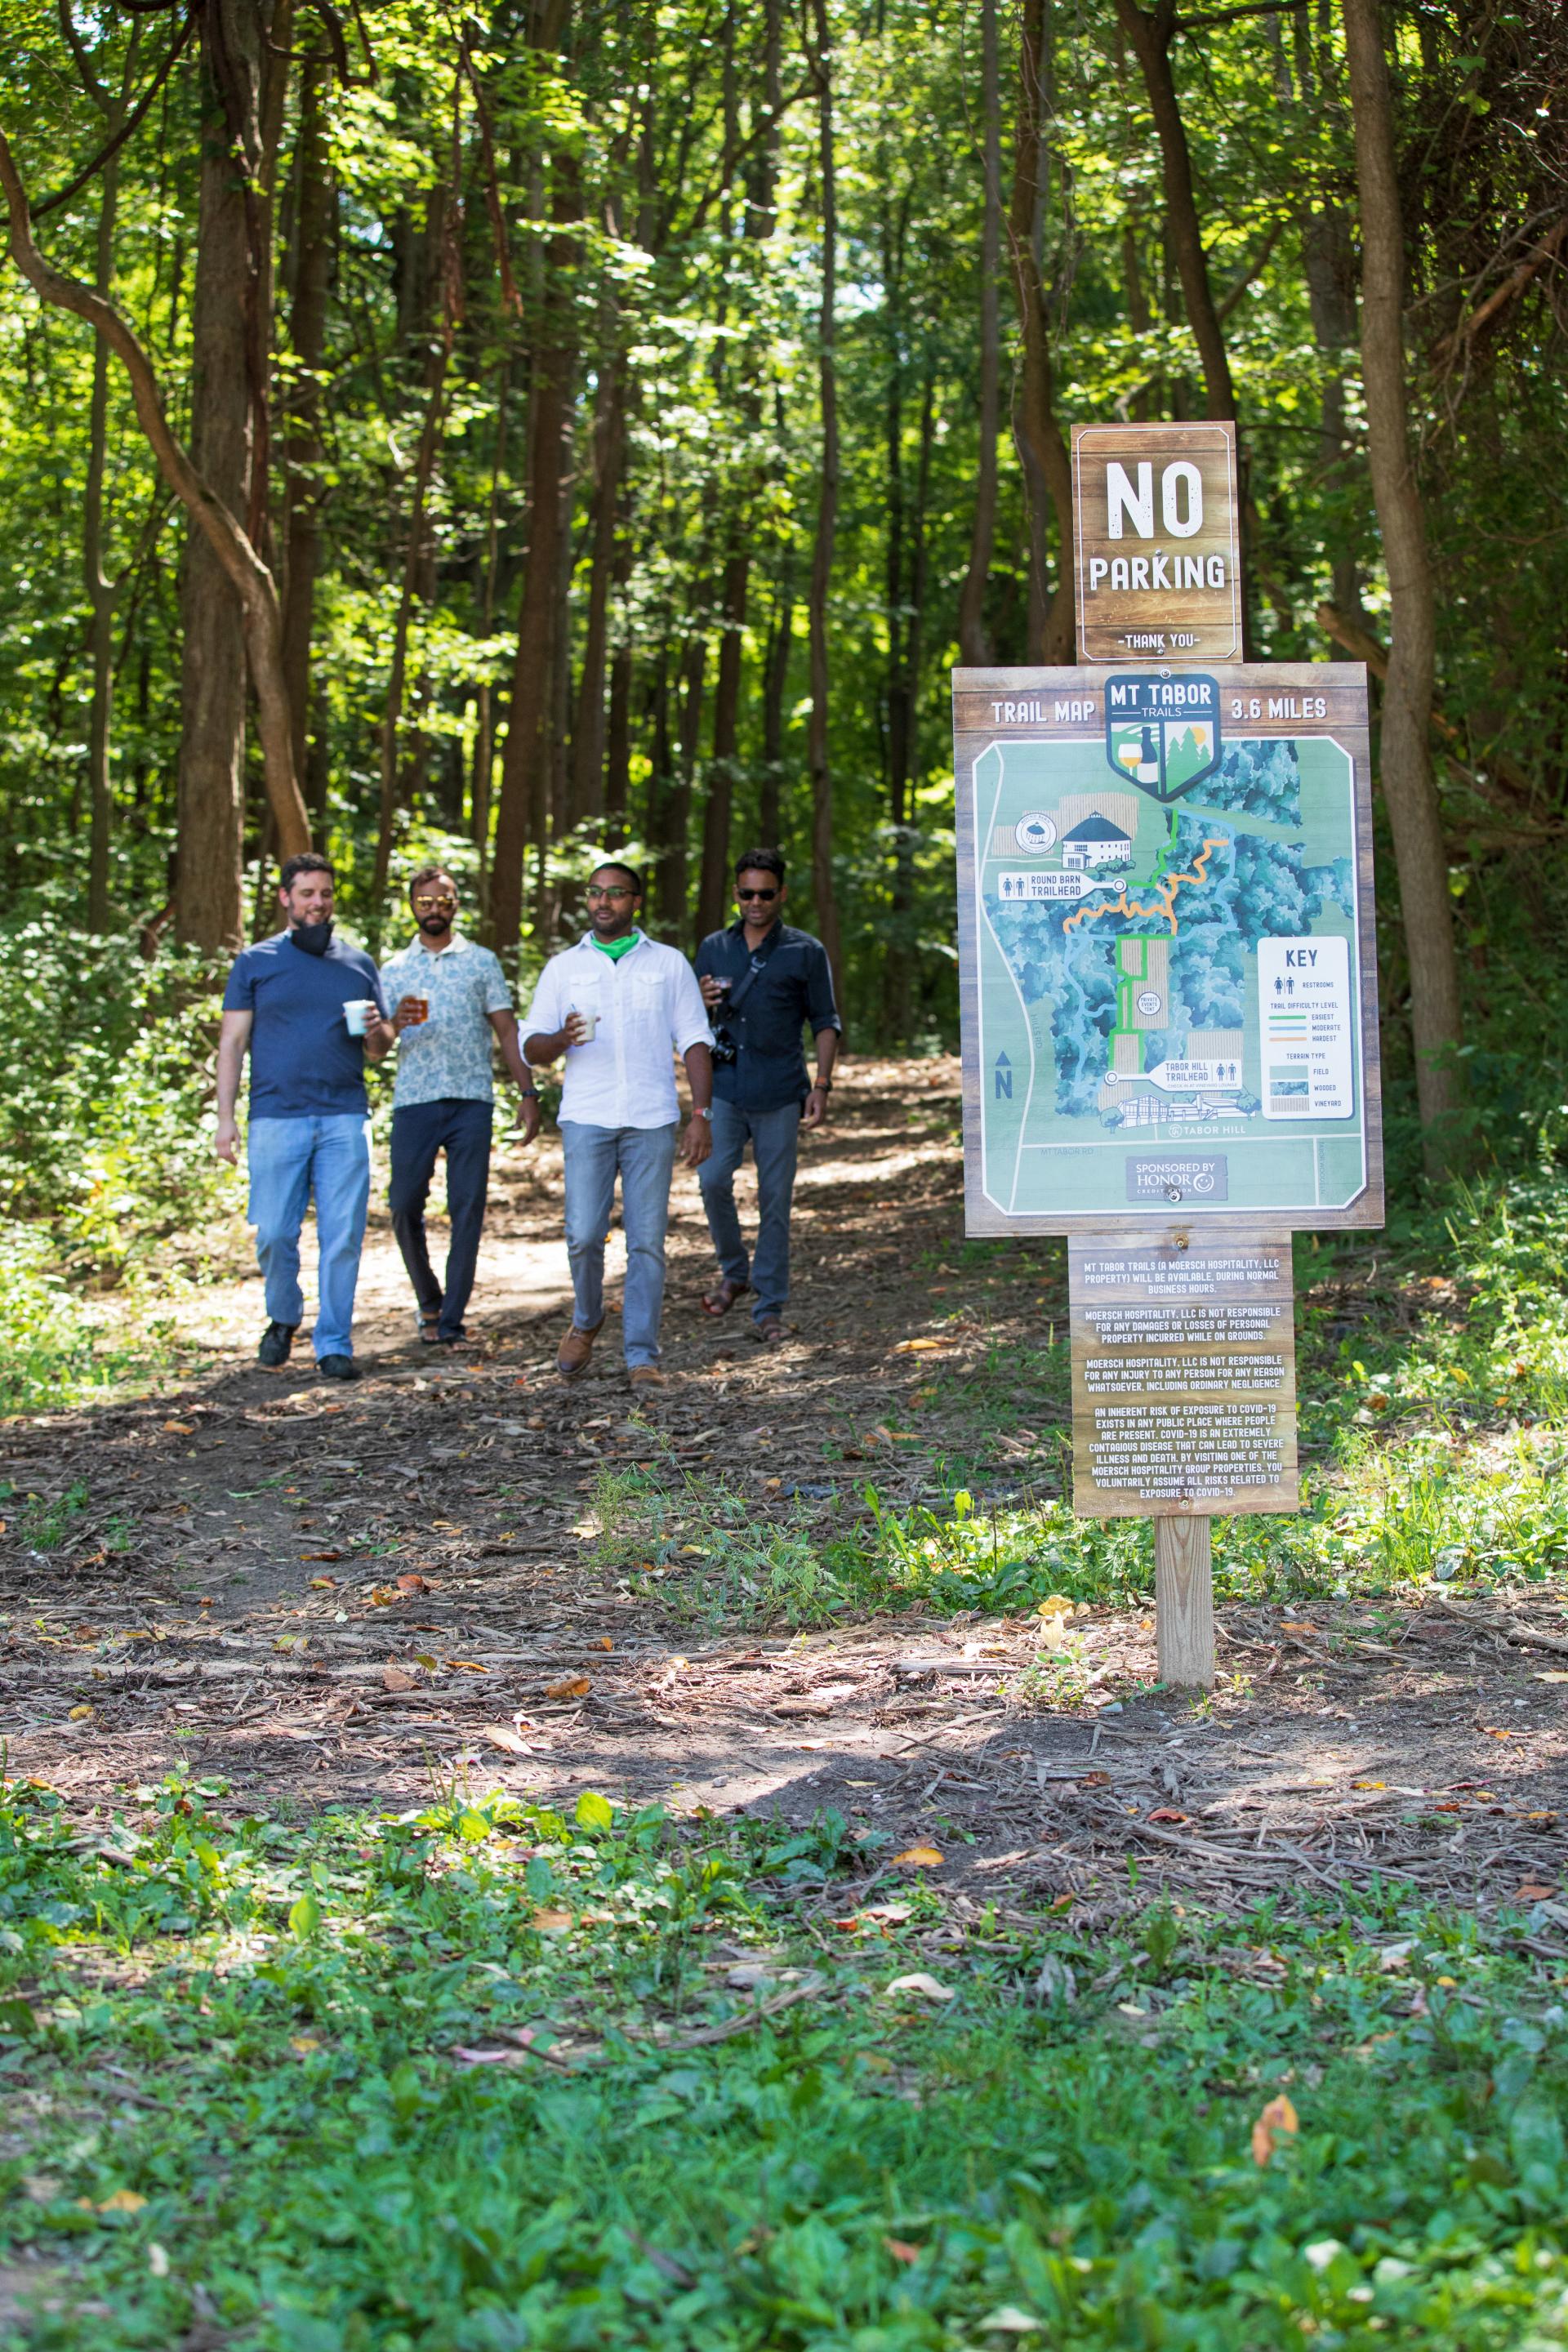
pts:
[325, 1596]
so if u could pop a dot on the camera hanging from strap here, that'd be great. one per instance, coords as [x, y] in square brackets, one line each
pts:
[725, 1047]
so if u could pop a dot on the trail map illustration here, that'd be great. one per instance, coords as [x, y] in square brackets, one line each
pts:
[1166, 897]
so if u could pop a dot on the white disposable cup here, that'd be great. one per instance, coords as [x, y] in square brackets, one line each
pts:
[590, 1026]
[357, 1016]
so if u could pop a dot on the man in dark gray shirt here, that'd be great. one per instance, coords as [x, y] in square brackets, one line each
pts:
[764, 983]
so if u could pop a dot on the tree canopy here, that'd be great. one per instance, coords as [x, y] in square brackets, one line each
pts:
[633, 412]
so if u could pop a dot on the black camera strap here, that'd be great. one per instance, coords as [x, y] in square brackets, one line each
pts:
[740, 989]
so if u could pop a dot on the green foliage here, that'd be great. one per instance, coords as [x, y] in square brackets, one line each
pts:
[402, 2084]
[105, 1140]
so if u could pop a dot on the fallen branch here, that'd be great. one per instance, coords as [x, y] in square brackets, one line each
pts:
[1512, 287]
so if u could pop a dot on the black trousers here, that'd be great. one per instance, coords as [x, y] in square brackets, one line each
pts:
[420, 1132]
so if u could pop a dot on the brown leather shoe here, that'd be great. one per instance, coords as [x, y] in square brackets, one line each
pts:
[645, 1376]
[575, 1349]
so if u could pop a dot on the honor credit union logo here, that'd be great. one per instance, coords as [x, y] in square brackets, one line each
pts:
[1161, 729]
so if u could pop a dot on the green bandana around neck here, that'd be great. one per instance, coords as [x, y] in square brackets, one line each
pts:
[616, 948]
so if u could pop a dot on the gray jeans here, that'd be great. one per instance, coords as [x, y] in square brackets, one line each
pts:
[774, 1137]
[644, 1157]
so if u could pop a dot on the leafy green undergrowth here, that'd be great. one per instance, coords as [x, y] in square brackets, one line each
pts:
[1388, 1521]
[1433, 1384]
[349, 2083]
[59, 1349]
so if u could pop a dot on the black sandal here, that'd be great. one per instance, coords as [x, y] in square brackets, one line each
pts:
[720, 1301]
[430, 1329]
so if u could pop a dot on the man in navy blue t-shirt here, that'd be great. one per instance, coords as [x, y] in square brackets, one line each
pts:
[310, 1008]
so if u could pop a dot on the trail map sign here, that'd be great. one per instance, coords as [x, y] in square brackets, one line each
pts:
[1158, 554]
[1168, 992]
[1165, 946]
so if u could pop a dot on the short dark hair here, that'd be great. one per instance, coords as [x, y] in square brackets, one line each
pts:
[431, 873]
[617, 865]
[761, 861]
[309, 861]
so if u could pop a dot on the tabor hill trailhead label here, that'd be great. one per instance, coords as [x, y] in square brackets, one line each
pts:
[1165, 946]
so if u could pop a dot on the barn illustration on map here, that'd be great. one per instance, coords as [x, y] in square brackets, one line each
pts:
[1096, 844]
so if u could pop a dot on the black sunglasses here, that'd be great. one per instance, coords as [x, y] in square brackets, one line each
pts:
[756, 894]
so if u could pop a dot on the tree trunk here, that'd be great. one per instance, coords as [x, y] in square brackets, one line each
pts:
[102, 594]
[619, 747]
[904, 765]
[973, 637]
[413, 567]
[315, 214]
[587, 791]
[522, 818]
[1405, 759]
[673, 808]
[208, 910]
[484, 736]
[775, 686]
[713, 879]
[1041, 449]
[1150, 33]
[823, 893]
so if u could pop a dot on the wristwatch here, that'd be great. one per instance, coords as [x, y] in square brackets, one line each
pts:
[528, 1094]
[701, 1112]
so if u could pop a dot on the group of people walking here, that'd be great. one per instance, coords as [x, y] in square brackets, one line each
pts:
[312, 1009]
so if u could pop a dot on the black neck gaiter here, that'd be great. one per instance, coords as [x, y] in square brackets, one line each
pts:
[315, 938]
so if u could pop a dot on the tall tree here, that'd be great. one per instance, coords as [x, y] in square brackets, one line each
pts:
[227, 401]
[588, 732]
[102, 593]
[1404, 760]
[973, 636]
[314, 220]
[1150, 33]
[1041, 446]
[823, 892]
[437, 335]
[223, 532]
[523, 816]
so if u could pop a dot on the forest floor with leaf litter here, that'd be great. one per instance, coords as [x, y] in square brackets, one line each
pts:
[464, 1568]
[485, 1867]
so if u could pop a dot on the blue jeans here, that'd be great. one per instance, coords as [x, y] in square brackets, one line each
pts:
[290, 1159]
[775, 1139]
[644, 1157]
[420, 1131]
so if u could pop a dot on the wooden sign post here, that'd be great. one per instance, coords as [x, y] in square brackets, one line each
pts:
[1168, 999]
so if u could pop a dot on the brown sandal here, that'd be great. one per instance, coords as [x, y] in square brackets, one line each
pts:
[771, 1331]
[719, 1302]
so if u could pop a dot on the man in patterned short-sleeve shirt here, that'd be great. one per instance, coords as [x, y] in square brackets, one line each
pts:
[450, 1002]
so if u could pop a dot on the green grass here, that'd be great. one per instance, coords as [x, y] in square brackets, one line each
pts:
[245, 2103]
[1434, 1433]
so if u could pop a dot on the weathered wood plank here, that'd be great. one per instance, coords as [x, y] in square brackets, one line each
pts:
[1184, 1602]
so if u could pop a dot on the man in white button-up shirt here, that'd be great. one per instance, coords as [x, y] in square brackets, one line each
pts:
[616, 1006]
